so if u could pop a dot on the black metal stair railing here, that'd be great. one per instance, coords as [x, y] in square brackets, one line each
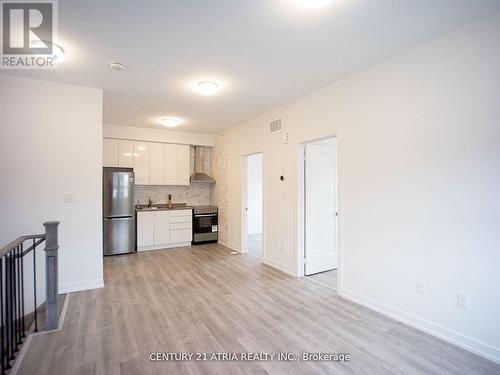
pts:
[14, 290]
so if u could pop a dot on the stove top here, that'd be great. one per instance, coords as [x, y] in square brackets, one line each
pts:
[197, 210]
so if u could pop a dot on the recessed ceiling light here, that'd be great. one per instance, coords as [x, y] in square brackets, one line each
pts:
[57, 50]
[317, 3]
[117, 66]
[208, 88]
[169, 122]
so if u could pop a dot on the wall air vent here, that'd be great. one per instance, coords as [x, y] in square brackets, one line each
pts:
[275, 126]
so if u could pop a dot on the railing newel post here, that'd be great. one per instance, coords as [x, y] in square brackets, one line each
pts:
[51, 275]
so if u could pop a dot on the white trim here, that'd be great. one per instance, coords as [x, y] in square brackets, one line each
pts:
[231, 247]
[244, 199]
[81, 285]
[279, 266]
[300, 253]
[456, 338]
[161, 247]
[62, 317]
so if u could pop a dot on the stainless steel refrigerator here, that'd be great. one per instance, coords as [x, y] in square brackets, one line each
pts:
[118, 211]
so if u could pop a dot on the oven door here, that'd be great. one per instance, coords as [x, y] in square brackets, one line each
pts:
[205, 228]
[205, 223]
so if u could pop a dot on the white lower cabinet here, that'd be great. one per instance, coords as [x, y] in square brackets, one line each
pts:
[163, 229]
[180, 235]
[145, 229]
[181, 226]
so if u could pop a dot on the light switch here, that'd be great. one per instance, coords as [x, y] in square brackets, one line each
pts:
[421, 287]
[463, 301]
[69, 198]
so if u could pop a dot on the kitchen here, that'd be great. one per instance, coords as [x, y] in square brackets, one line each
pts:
[156, 196]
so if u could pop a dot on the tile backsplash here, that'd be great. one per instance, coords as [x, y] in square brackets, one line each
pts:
[196, 194]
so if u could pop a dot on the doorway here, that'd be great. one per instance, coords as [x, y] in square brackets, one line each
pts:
[320, 242]
[252, 231]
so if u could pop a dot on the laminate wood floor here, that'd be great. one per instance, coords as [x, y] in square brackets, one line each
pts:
[202, 299]
[254, 244]
[328, 278]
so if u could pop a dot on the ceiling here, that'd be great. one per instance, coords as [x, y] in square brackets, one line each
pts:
[262, 53]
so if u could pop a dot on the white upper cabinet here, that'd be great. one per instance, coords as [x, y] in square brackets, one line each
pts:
[183, 164]
[153, 163]
[170, 164]
[126, 154]
[141, 163]
[110, 152]
[156, 164]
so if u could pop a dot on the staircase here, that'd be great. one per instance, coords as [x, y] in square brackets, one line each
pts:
[18, 290]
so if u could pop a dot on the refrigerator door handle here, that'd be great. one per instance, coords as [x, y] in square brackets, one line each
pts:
[118, 218]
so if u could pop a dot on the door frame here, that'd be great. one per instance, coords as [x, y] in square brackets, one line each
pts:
[301, 248]
[244, 197]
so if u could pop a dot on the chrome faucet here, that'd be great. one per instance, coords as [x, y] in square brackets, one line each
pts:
[150, 202]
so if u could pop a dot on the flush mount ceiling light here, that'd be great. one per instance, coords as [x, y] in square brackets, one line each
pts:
[208, 88]
[57, 51]
[169, 122]
[316, 3]
[117, 66]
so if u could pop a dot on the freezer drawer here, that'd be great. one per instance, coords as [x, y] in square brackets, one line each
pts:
[119, 235]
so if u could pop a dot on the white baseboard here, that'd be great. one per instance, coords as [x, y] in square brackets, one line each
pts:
[81, 285]
[279, 266]
[465, 342]
[232, 247]
[163, 247]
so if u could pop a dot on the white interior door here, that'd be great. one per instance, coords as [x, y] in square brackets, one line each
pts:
[252, 232]
[320, 184]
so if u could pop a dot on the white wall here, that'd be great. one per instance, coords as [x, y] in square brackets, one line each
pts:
[254, 194]
[419, 182]
[157, 135]
[51, 144]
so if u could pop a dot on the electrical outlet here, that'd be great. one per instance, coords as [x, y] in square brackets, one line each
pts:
[421, 287]
[463, 301]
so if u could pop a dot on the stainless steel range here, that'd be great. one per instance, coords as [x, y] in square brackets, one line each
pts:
[205, 224]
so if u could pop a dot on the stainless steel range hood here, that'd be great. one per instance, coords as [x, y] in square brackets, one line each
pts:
[199, 165]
